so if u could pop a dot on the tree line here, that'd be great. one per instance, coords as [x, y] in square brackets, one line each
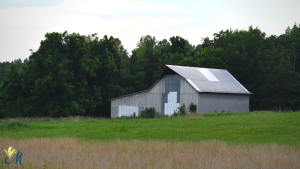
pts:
[73, 74]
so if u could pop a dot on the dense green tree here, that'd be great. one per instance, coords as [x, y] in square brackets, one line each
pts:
[5, 65]
[65, 76]
[281, 89]
[72, 74]
[113, 73]
[11, 94]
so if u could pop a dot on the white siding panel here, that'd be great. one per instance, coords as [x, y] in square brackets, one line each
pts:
[172, 104]
[127, 111]
[170, 108]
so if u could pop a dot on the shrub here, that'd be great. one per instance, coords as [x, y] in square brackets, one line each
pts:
[182, 112]
[176, 113]
[148, 112]
[192, 108]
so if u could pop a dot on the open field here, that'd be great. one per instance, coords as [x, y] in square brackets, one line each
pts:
[254, 127]
[220, 140]
[69, 153]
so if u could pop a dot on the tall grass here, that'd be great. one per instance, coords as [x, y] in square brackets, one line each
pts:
[75, 153]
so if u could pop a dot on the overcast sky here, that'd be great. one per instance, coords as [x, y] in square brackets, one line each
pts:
[23, 23]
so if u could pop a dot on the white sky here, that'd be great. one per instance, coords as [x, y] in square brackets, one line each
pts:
[23, 23]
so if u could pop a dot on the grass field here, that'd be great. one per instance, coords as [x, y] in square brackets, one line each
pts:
[254, 127]
[220, 140]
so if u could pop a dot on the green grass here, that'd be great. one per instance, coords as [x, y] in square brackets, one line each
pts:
[251, 127]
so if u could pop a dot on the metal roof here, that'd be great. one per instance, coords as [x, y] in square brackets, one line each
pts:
[204, 80]
[209, 80]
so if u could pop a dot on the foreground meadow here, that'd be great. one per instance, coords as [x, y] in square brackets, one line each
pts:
[70, 153]
[220, 140]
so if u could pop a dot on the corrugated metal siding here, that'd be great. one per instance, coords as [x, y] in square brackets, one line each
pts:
[128, 111]
[213, 102]
[187, 94]
[114, 109]
[138, 100]
[151, 98]
[159, 87]
[217, 87]
[222, 75]
[186, 99]
[154, 98]
[172, 84]
[188, 72]
[185, 87]
[226, 82]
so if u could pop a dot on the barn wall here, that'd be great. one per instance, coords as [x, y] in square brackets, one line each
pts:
[188, 94]
[213, 102]
[154, 98]
[171, 97]
[137, 100]
[206, 102]
[159, 87]
[151, 98]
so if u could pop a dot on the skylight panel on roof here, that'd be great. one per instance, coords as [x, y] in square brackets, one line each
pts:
[209, 76]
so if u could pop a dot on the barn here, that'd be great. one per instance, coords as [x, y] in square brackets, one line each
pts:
[211, 90]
